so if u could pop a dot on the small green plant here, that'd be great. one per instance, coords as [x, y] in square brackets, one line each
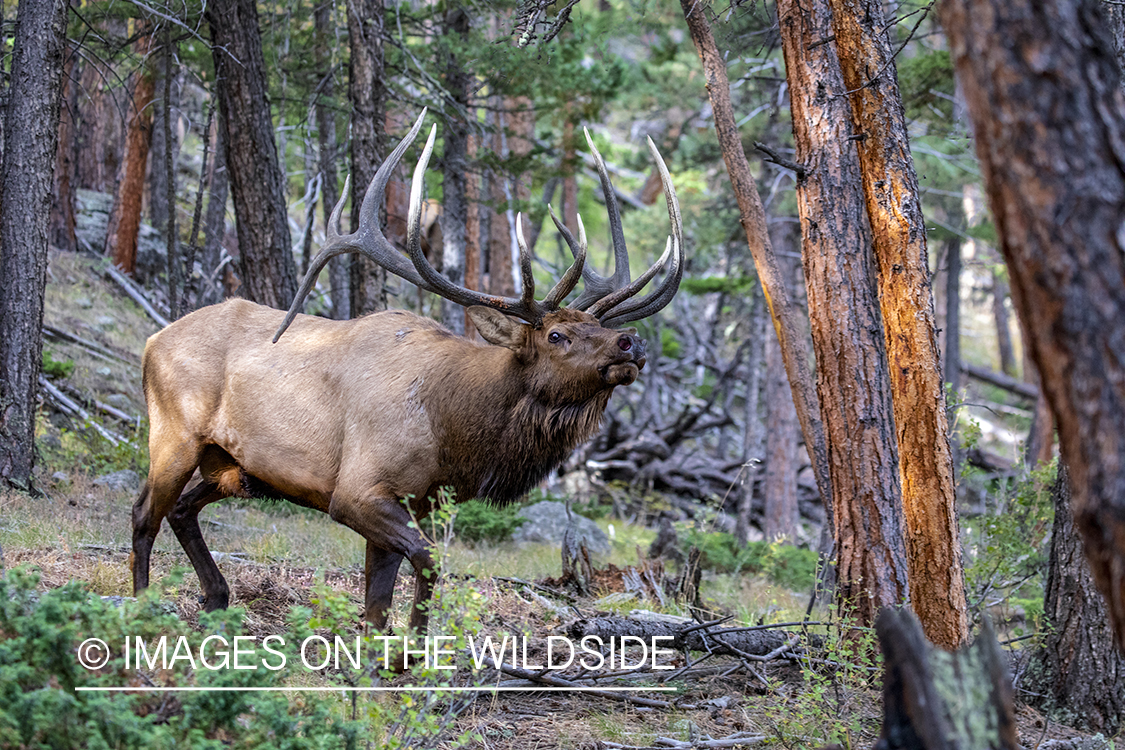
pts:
[1007, 552]
[480, 521]
[784, 564]
[58, 369]
[825, 709]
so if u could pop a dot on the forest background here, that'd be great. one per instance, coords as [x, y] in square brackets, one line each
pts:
[227, 130]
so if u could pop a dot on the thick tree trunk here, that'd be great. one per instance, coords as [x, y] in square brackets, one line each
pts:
[30, 134]
[847, 326]
[1078, 669]
[257, 184]
[338, 267]
[125, 217]
[890, 187]
[1043, 88]
[753, 220]
[454, 163]
[103, 108]
[367, 92]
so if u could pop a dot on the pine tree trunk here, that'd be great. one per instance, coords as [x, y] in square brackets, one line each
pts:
[780, 480]
[454, 162]
[753, 426]
[215, 221]
[125, 217]
[102, 109]
[1003, 325]
[847, 326]
[367, 93]
[30, 131]
[257, 185]
[1077, 669]
[62, 195]
[1043, 88]
[890, 186]
[338, 267]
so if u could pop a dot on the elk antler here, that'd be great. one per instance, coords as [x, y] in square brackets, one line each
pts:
[608, 299]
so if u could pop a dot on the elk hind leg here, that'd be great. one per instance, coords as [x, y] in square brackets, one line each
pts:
[167, 476]
[184, 520]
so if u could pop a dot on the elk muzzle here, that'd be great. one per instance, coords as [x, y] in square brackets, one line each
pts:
[629, 361]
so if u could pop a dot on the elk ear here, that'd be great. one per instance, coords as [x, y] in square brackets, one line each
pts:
[497, 328]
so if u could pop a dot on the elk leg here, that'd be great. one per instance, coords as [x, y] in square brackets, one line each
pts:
[380, 573]
[157, 498]
[184, 520]
[384, 522]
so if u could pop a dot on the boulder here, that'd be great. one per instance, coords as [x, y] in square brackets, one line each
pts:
[547, 522]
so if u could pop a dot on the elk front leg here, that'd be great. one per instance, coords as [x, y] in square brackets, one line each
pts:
[184, 520]
[385, 523]
[168, 473]
[380, 572]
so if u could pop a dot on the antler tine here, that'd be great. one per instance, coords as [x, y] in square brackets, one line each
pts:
[367, 238]
[599, 308]
[598, 286]
[636, 309]
[578, 250]
[524, 307]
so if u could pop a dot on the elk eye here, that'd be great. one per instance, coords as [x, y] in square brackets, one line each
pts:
[554, 337]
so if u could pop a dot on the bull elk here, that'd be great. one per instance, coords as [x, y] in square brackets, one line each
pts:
[352, 417]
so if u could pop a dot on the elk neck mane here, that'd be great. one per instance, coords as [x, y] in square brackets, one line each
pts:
[506, 438]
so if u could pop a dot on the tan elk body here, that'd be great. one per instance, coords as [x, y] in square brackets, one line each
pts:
[350, 417]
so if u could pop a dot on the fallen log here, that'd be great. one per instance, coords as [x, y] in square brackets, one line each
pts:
[756, 645]
[135, 294]
[1001, 380]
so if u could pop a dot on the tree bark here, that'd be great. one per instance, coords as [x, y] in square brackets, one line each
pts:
[780, 481]
[953, 313]
[30, 134]
[338, 267]
[1003, 325]
[257, 184]
[1043, 89]
[125, 217]
[454, 163]
[165, 143]
[215, 222]
[753, 220]
[1078, 670]
[847, 326]
[894, 209]
[753, 427]
[367, 93]
[63, 193]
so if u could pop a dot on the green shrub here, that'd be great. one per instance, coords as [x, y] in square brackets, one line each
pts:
[786, 565]
[54, 368]
[479, 521]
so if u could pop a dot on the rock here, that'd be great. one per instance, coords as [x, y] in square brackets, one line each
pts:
[105, 321]
[60, 477]
[105, 372]
[547, 521]
[119, 481]
[84, 303]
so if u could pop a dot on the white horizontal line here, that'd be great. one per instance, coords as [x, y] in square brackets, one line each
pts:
[347, 689]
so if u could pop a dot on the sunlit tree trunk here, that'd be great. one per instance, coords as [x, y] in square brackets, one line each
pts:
[1043, 89]
[125, 217]
[894, 208]
[847, 327]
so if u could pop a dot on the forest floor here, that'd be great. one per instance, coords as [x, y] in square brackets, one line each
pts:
[274, 556]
